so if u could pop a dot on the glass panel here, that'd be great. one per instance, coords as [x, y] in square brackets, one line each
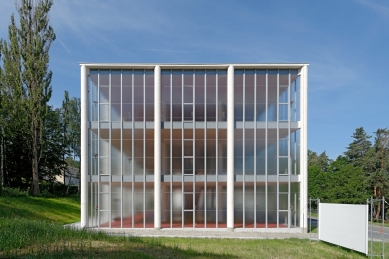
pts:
[283, 219]
[188, 112]
[149, 78]
[188, 94]
[261, 152]
[211, 205]
[116, 217]
[177, 207]
[283, 116]
[139, 206]
[188, 201]
[283, 165]
[188, 77]
[238, 205]
[249, 151]
[272, 206]
[283, 201]
[127, 205]
[188, 219]
[211, 147]
[272, 152]
[284, 77]
[188, 165]
[261, 205]
[149, 205]
[104, 112]
[188, 148]
[238, 152]
[249, 205]
[272, 94]
[222, 95]
[199, 205]
[165, 205]
[104, 218]
[238, 95]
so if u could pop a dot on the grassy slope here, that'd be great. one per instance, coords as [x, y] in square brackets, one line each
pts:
[33, 226]
[57, 210]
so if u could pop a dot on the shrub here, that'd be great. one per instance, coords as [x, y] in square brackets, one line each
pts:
[13, 192]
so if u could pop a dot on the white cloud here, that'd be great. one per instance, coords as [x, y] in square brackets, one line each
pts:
[379, 8]
[90, 20]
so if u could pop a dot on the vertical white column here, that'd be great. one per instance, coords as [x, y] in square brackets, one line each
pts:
[84, 146]
[157, 147]
[304, 148]
[230, 148]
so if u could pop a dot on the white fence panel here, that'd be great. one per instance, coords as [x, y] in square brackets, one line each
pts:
[344, 225]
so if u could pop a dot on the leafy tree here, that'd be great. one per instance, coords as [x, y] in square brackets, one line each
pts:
[71, 115]
[26, 73]
[345, 184]
[52, 162]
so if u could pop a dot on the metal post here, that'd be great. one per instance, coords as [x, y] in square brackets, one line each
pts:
[371, 226]
[317, 220]
[383, 219]
[310, 219]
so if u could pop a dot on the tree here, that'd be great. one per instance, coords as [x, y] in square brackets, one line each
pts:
[27, 56]
[358, 148]
[71, 114]
[376, 166]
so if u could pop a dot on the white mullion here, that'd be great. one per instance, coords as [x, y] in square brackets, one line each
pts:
[132, 148]
[244, 148]
[205, 148]
[255, 149]
[278, 147]
[193, 150]
[98, 149]
[121, 148]
[217, 148]
[171, 149]
[144, 148]
[110, 149]
[289, 160]
[266, 147]
[182, 150]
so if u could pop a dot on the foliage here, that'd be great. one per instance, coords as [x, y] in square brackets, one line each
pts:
[35, 138]
[13, 192]
[362, 172]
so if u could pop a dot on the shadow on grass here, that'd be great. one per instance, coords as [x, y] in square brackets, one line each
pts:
[127, 247]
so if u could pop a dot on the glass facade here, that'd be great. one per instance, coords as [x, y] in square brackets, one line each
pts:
[193, 113]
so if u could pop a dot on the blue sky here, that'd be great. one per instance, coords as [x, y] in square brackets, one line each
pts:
[345, 42]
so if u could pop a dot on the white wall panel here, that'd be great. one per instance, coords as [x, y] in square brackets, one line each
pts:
[344, 225]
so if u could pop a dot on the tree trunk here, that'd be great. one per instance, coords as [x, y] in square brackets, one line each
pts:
[35, 175]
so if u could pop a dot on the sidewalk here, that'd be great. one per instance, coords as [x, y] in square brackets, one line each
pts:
[202, 233]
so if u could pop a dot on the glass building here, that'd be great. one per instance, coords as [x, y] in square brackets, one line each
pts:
[194, 146]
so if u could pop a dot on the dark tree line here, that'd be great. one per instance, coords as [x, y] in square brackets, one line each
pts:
[360, 173]
[36, 139]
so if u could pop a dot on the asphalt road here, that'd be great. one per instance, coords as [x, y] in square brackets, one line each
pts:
[374, 230]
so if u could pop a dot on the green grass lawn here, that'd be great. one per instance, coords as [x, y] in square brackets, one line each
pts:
[32, 228]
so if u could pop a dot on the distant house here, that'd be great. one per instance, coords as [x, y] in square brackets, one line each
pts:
[71, 177]
[220, 146]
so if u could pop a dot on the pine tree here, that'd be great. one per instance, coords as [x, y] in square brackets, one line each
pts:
[360, 145]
